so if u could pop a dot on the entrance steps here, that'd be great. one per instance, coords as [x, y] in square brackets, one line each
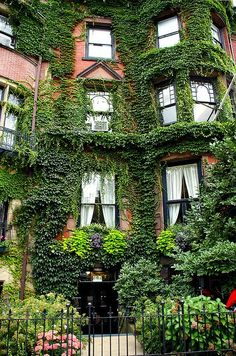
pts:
[113, 345]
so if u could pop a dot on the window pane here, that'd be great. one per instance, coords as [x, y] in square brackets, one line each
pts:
[203, 91]
[100, 101]
[100, 36]
[167, 96]
[103, 51]
[4, 25]
[216, 34]
[1, 93]
[14, 99]
[10, 121]
[168, 26]
[203, 113]
[6, 40]
[168, 41]
[169, 115]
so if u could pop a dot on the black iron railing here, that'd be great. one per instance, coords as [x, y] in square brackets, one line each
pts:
[181, 332]
[9, 139]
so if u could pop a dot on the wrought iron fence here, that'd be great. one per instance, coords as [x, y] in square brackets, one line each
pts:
[9, 139]
[181, 332]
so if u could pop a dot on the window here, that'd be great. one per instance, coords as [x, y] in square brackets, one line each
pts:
[167, 102]
[99, 42]
[168, 32]
[181, 182]
[10, 103]
[216, 35]
[100, 111]
[6, 34]
[3, 220]
[98, 200]
[205, 102]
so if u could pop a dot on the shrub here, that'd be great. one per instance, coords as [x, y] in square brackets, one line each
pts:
[137, 281]
[166, 242]
[33, 316]
[196, 324]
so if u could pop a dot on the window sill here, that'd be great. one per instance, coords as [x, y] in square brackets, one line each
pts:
[100, 59]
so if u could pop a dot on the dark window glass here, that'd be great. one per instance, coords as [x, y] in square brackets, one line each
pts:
[3, 220]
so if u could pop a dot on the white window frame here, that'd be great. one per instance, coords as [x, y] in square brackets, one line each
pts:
[207, 106]
[91, 45]
[99, 115]
[169, 105]
[167, 35]
[94, 186]
[6, 34]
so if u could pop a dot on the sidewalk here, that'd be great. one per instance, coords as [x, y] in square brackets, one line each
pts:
[113, 345]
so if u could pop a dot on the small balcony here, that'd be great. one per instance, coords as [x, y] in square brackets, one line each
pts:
[10, 139]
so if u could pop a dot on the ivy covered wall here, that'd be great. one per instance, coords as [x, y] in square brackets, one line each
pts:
[137, 143]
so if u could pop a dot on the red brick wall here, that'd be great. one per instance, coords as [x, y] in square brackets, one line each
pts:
[19, 68]
[234, 45]
[82, 64]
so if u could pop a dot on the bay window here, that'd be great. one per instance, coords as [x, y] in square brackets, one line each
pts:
[100, 110]
[168, 32]
[181, 183]
[6, 34]
[204, 98]
[167, 103]
[100, 43]
[98, 200]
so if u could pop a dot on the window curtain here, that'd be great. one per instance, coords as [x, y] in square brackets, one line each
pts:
[107, 191]
[174, 177]
[89, 190]
[191, 178]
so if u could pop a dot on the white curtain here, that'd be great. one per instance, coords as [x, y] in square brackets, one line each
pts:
[89, 192]
[174, 177]
[191, 179]
[174, 180]
[107, 191]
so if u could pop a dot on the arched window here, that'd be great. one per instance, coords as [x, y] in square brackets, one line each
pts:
[100, 111]
[205, 102]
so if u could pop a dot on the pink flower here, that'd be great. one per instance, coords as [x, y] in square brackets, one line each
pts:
[38, 348]
[41, 335]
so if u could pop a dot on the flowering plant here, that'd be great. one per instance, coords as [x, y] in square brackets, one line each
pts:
[52, 342]
[96, 241]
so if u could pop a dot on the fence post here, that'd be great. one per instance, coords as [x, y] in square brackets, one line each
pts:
[89, 327]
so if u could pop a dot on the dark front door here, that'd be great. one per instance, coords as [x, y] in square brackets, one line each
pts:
[98, 299]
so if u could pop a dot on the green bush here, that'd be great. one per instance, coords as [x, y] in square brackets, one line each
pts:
[20, 328]
[138, 281]
[166, 242]
[95, 243]
[196, 324]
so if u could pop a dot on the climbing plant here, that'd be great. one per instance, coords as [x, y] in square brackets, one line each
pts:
[133, 150]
